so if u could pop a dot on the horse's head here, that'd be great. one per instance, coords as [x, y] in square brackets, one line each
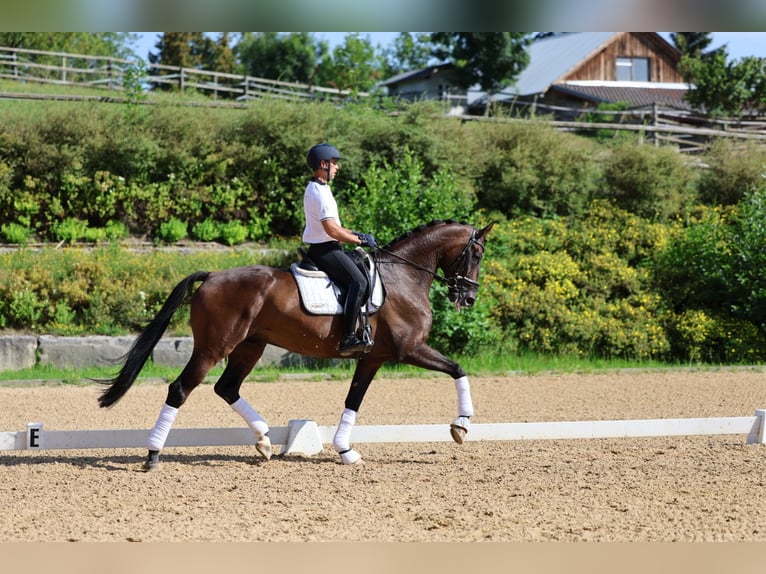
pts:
[462, 271]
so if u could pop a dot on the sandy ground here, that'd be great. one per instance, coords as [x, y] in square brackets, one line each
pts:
[658, 489]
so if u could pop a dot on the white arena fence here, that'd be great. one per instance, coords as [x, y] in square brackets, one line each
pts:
[306, 437]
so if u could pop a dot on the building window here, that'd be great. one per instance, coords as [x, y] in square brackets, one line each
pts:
[632, 69]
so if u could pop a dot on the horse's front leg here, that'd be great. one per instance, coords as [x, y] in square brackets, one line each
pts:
[429, 358]
[360, 382]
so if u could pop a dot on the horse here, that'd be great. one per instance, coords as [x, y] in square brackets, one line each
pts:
[236, 312]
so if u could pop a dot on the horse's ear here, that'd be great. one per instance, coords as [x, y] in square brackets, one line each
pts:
[486, 229]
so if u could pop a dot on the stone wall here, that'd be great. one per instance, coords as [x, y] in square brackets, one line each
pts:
[26, 351]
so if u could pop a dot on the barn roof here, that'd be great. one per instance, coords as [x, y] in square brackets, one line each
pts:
[553, 57]
[638, 94]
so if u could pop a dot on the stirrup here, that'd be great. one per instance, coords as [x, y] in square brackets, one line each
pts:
[349, 346]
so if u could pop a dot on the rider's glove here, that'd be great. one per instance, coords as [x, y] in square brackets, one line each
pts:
[367, 240]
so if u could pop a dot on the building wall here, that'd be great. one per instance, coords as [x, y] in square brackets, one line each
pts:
[602, 66]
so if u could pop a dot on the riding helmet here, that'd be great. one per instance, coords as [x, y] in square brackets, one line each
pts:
[321, 152]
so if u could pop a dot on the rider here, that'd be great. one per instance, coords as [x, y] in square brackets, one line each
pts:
[325, 234]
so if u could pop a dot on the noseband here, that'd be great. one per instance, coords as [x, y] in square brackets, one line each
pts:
[458, 285]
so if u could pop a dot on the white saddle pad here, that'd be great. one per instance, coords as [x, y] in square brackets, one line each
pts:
[320, 295]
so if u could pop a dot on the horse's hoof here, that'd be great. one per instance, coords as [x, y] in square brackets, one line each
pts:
[263, 446]
[458, 433]
[351, 457]
[151, 466]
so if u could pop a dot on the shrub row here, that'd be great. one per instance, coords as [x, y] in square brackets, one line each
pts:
[612, 285]
[603, 249]
[77, 171]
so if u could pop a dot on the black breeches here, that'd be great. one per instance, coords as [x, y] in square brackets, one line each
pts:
[331, 259]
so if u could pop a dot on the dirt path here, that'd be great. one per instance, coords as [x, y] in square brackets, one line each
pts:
[661, 489]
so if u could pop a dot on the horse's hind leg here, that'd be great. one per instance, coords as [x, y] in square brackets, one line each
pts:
[178, 391]
[241, 361]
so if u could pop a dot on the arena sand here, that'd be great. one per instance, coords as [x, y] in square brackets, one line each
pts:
[610, 490]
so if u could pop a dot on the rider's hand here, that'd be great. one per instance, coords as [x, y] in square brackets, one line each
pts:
[367, 240]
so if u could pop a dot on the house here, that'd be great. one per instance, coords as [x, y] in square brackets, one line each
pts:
[572, 70]
[584, 69]
[431, 83]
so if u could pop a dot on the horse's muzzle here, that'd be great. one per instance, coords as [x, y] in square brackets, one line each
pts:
[461, 291]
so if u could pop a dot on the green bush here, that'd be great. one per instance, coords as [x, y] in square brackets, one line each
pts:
[70, 230]
[106, 290]
[733, 171]
[115, 230]
[568, 287]
[534, 170]
[651, 182]
[15, 233]
[206, 230]
[233, 232]
[172, 231]
[396, 199]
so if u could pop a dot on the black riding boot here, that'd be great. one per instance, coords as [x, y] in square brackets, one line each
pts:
[350, 343]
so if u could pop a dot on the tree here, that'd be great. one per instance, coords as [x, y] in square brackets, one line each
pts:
[691, 44]
[175, 49]
[217, 54]
[291, 57]
[490, 59]
[409, 52]
[113, 44]
[355, 66]
[723, 88]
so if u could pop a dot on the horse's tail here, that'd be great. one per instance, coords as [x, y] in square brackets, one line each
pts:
[142, 347]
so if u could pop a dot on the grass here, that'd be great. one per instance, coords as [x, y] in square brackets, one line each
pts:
[495, 365]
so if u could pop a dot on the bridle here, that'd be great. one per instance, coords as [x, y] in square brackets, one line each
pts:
[458, 285]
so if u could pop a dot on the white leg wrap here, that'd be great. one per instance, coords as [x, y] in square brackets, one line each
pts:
[342, 439]
[161, 429]
[251, 416]
[464, 403]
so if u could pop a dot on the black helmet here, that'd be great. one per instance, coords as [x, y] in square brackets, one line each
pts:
[321, 152]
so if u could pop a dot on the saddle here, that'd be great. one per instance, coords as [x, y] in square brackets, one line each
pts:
[320, 296]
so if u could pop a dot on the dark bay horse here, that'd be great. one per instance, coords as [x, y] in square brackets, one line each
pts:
[235, 313]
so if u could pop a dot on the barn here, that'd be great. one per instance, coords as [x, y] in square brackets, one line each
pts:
[571, 71]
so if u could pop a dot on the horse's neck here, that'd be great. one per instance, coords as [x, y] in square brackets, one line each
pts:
[420, 253]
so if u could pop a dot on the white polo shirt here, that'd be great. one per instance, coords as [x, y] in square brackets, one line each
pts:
[318, 205]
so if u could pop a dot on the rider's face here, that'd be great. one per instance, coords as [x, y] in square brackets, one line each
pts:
[333, 167]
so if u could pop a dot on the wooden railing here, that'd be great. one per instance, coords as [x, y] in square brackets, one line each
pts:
[111, 73]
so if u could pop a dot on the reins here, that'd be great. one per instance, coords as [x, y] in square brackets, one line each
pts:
[454, 281]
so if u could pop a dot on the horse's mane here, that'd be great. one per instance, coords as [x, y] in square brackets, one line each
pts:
[420, 228]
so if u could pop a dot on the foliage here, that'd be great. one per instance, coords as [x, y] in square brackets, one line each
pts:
[733, 171]
[395, 199]
[602, 116]
[491, 59]
[568, 287]
[723, 88]
[107, 290]
[356, 67]
[15, 233]
[115, 44]
[470, 332]
[643, 272]
[693, 44]
[409, 52]
[712, 270]
[534, 170]
[289, 57]
[172, 230]
[651, 182]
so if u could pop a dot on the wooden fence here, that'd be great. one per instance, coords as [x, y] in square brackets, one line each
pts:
[661, 126]
[40, 67]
